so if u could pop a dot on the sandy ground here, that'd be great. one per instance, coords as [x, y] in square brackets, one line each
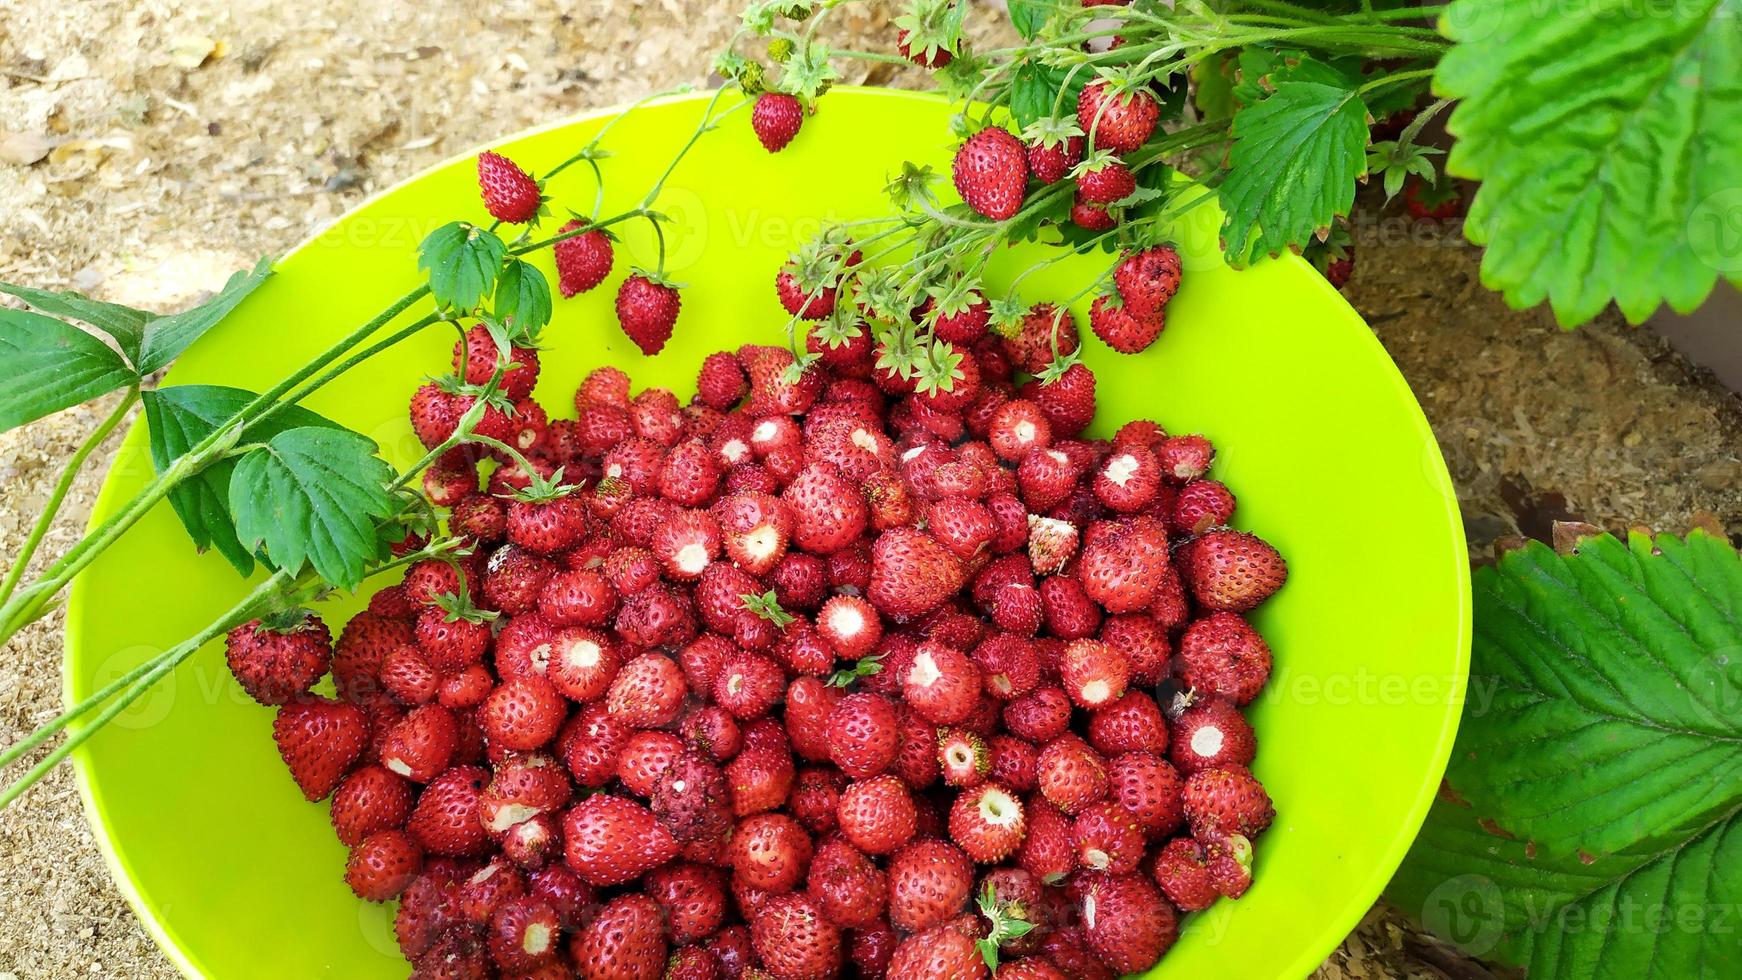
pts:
[148, 149]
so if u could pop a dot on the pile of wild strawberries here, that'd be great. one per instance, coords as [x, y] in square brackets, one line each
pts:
[812, 676]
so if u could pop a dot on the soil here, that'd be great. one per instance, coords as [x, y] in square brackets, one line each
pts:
[150, 148]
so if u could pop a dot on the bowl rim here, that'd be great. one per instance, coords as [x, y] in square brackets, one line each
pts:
[1359, 901]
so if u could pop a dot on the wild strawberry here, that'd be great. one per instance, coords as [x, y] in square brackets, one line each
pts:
[732, 947]
[794, 940]
[1018, 428]
[583, 597]
[877, 815]
[770, 851]
[1108, 838]
[435, 413]
[928, 54]
[648, 692]
[1070, 774]
[370, 799]
[776, 118]
[1200, 506]
[911, 573]
[802, 295]
[691, 798]
[693, 898]
[476, 359]
[847, 888]
[647, 309]
[1051, 161]
[962, 526]
[1009, 516]
[1070, 613]
[988, 822]
[1222, 654]
[929, 882]
[1102, 180]
[1185, 457]
[1040, 716]
[991, 173]
[1122, 327]
[546, 522]
[1093, 673]
[480, 517]
[510, 195]
[522, 713]
[382, 865]
[1147, 279]
[759, 777]
[1211, 734]
[452, 476]
[1013, 762]
[611, 840]
[1032, 968]
[1232, 570]
[453, 636]
[1130, 723]
[521, 789]
[1068, 400]
[1046, 331]
[582, 663]
[582, 261]
[816, 793]
[1181, 870]
[850, 624]
[524, 934]
[1127, 922]
[1149, 788]
[942, 684]
[1142, 640]
[626, 941]
[1432, 201]
[1047, 851]
[278, 660]
[940, 953]
[465, 688]
[1118, 117]
[514, 578]
[756, 530]
[589, 744]
[657, 416]
[446, 819]
[748, 685]
[1051, 544]
[828, 513]
[1226, 800]
[1090, 216]
[1122, 568]
[863, 735]
[963, 757]
[319, 740]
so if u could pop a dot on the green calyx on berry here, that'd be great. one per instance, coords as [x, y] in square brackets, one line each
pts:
[865, 667]
[839, 329]
[932, 27]
[1051, 131]
[1007, 922]
[808, 73]
[794, 373]
[879, 293]
[899, 350]
[1007, 315]
[952, 300]
[1057, 367]
[283, 620]
[767, 606]
[657, 278]
[459, 607]
[911, 190]
[940, 369]
[541, 489]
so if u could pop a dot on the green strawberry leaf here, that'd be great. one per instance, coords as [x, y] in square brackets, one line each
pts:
[125, 324]
[1609, 148]
[1032, 89]
[1292, 168]
[523, 299]
[312, 495]
[1028, 16]
[176, 418]
[166, 337]
[463, 262]
[52, 365]
[1588, 824]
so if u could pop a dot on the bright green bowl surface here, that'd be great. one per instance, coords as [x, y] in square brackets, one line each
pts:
[1316, 432]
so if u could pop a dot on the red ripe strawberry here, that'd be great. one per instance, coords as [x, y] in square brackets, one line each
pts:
[546, 526]
[732, 947]
[452, 644]
[1232, 570]
[911, 573]
[278, 662]
[770, 851]
[721, 383]
[583, 597]
[759, 778]
[863, 735]
[961, 321]
[582, 664]
[756, 528]
[988, 822]
[610, 840]
[942, 952]
[1181, 870]
[690, 476]
[1070, 613]
[1226, 800]
[1117, 118]
[1427, 201]
[446, 819]
[1033, 345]
[589, 743]
[1033, 968]
[510, 195]
[1019, 427]
[480, 517]
[647, 310]
[1131, 723]
[991, 173]
[776, 119]
[1052, 162]
[1047, 851]
[772, 391]
[1093, 673]
[941, 684]
[1040, 716]
[1068, 401]
[1121, 327]
[1147, 279]
[692, 800]
[928, 55]
[452, 476]
[524, 933]
[1200, 506]
[1108, 837]
[810, 708]
[422, 744]
[929, 882]
[1122, 568]
[1051, 544]
[1185, 457]
[870, 948]
[1222, 654]
[369, 800]
[847, 888]
[435, 413]
[1070, 774]
[748, 685]
[382, 865]
[522, 788]
[514, 578]
[794, 940]
[828, 512]
[1010, 515]
[1102, 180]
[657, 416]
[1013, 762]
[319, 740]
[1127, 922]
[850, 624]
[456, 953]
[626, 941]
[522, 713]
[877, 815]
[1149, 788]
[1045, 478]
[658, 616]
[803, 299]
[648, 692]
[1143, 642]
[693, 898]
[476, 359]
[1008, 666]
[1211, 734]
[466, 688]
[582, 261]
[963, 757]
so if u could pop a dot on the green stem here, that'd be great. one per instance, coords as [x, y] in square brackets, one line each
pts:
[59, 495]
[1402, 76]
[893, 59]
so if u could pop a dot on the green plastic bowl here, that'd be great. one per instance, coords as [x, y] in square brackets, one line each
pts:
[237, 877]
